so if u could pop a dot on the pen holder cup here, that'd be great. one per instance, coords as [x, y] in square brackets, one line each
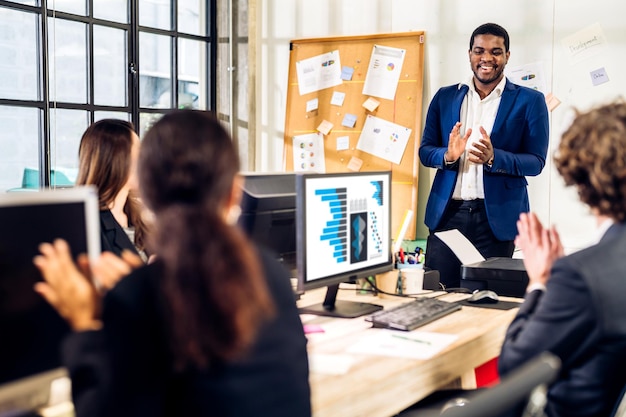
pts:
[404, 279]
[411, 278]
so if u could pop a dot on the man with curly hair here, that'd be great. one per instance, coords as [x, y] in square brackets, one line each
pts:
[575, 305]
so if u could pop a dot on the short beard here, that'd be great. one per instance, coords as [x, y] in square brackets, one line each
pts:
[497, 75]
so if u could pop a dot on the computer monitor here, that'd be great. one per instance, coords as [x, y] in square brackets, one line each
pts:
[30, 329]
[343, 227]
[268, 214]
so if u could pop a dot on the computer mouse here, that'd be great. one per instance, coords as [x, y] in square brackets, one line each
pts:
[484, 297]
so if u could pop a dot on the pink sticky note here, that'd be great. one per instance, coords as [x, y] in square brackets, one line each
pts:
[312, 328]
[355, 164]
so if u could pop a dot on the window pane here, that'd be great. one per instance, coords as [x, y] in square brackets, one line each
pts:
[155, 82]
[69, 6]
[27, 2]
[223, 20]
[68, 61]
[66, 129]
[19, 69]
[191, 16]
[109, 58]
[19, 141]
[99, 115]
[243, 143]
[115, 10]
[146, 120]
[241, 82]
[242, 18]
[192, 74]
[223, 80]
[155, 13]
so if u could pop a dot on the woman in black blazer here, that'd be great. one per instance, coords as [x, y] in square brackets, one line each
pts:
[107, 155]
[211, 327]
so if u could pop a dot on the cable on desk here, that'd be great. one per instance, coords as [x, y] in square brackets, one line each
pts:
[372, 282]
[460, 290]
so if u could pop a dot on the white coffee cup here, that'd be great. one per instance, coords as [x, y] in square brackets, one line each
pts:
[412, 279]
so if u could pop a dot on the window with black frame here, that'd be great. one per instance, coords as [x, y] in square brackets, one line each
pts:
[68, 63]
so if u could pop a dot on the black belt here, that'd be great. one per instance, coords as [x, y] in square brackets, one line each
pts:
[468, 205]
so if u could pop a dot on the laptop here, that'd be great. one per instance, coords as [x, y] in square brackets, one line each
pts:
[31, 330]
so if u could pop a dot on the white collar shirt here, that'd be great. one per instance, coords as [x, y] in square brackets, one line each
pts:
[601, 230]
[475, 113]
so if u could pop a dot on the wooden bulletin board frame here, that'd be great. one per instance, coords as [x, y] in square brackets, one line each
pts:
[404, 110]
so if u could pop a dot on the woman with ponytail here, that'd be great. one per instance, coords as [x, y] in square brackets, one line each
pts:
[211, 327]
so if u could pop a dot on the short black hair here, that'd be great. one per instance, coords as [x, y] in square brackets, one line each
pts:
[490, 29]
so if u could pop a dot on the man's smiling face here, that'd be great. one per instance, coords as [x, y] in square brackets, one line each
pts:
[488, 58]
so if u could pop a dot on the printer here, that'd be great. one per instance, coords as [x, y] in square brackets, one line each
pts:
[505, 276]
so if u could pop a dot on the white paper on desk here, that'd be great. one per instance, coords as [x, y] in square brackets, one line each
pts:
[320, 363]
[411, 345]
[461, 246]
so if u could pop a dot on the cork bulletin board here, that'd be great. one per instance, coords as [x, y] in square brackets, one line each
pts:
[313, 112]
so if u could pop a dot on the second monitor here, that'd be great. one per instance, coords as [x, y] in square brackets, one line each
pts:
[343, 227]
[268, 214]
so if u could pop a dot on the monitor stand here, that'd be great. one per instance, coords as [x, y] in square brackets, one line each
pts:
[338, 308]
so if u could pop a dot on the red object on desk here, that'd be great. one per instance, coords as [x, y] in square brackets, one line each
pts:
[487, 373]
[401, 255]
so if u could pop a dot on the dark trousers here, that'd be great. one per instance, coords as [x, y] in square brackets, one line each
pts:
[470, 218]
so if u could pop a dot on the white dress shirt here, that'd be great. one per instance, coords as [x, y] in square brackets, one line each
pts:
[475, 113]
[601, 229]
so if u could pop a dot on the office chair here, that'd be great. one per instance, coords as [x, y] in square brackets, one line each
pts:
[527, 384]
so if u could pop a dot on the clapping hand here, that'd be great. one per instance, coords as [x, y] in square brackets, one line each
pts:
[67, 286]
[482, 150]
[109, 268]
[540, 246]
[75, 290]
[456, 143]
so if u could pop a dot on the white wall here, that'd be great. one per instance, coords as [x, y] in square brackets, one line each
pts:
[284, 20]
[536, 28]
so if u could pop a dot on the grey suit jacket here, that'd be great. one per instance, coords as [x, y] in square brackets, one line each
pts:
[582, 319]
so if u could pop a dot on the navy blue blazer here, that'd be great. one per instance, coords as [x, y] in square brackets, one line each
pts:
[520, 142]
[581, 318]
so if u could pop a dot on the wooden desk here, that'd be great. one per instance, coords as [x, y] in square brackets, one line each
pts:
[382, 386]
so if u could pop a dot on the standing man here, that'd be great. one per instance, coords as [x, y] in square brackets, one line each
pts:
[574, 305]
[484, 136]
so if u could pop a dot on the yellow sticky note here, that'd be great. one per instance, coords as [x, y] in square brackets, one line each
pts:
[371, 104]
[325, 127]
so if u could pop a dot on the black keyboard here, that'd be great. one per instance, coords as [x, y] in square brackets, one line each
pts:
[413, 314]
